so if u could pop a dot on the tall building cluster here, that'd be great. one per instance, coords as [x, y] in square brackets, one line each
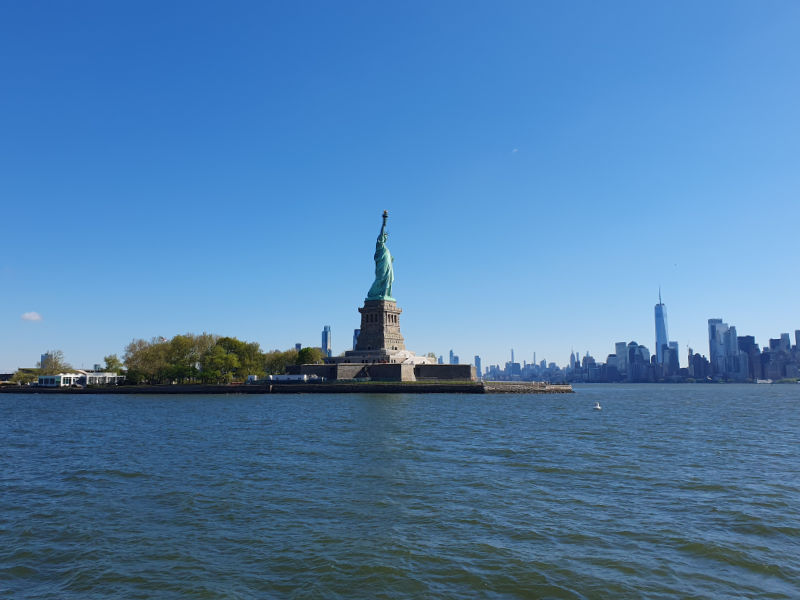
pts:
[724, 355]
[739, 358]
[525, 371]
[731, 357]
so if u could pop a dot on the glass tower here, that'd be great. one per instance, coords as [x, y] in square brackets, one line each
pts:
[326, 340]
[662, 339]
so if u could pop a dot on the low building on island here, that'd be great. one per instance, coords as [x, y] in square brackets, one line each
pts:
[80, 378]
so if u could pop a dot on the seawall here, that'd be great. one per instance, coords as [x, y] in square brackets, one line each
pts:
[526, 387]
[366, 387]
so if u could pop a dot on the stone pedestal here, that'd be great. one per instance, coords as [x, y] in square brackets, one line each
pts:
[380, 340]
[380, 327]
[381, 354]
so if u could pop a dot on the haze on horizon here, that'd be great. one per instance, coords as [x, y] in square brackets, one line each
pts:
[196, 167]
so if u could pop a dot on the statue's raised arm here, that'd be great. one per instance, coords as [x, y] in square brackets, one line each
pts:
[384, 272]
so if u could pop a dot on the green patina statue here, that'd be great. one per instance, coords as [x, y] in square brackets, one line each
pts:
[384, 272]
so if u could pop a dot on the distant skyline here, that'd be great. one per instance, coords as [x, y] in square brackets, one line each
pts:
[190, 167]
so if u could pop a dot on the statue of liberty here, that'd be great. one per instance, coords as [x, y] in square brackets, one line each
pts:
[384, 272]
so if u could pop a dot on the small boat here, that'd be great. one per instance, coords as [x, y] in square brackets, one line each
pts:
[597, 406]
[763, 380]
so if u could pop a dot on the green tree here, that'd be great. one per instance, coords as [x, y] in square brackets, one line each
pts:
[202, 343]
[113, 363]
[251, 360]
[205, 357]
[249, 355]
[24, 376]
[309, 356]
[275, 362]
[134, 359]
[218, 365]
[147, 361]
[181, 359]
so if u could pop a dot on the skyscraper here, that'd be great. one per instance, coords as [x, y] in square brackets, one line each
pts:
[356, 333]
[478, 365]
[671, 362]
[621, 350]
[662, 339]
[716, 344]
[723, 351]
[326, 340]
[786, 343]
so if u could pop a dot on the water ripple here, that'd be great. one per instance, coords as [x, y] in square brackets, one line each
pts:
[671, 491]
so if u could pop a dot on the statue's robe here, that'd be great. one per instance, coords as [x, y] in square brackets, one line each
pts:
[384, 271]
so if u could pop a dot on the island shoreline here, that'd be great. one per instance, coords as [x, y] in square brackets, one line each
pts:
[366, 387]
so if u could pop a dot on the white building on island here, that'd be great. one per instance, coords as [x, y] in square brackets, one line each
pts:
[82, 378]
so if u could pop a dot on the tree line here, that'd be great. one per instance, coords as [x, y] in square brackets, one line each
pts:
[207, 358]
[189, 358]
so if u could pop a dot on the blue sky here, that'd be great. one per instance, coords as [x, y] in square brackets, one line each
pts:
[221, 167]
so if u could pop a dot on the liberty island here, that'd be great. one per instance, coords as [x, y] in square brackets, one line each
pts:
[379, 362]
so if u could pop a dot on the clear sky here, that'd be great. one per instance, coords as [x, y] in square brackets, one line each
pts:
[172, 167]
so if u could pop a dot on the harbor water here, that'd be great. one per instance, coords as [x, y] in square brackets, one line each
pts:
[669, 491]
